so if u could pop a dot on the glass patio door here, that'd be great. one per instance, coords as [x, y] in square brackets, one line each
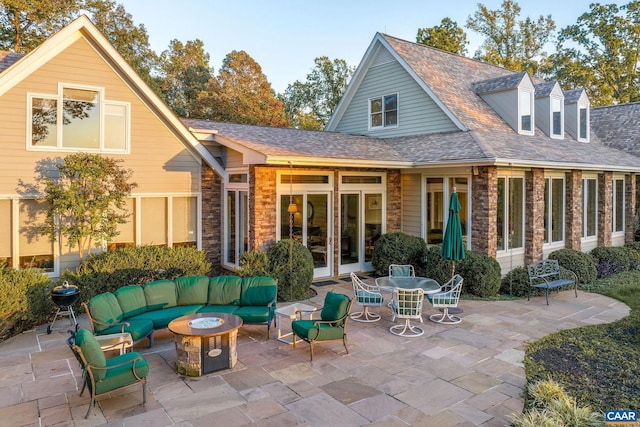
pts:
[360, 228]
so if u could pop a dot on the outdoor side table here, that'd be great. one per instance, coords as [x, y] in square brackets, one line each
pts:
[289, 311]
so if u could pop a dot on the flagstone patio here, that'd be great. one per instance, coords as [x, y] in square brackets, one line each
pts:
[467, 374]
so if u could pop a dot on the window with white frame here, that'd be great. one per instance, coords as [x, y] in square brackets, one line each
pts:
[618, 205]
[510, 214]
[557, 117]
[77, 119]
[526, 112]
[437, 209]
[589, 207]
[237, 225]
[383, 111]
[34, 249]
[583, 122]
[554, 210]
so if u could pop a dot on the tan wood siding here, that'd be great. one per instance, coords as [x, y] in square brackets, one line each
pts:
[417, 114]
[411, 204]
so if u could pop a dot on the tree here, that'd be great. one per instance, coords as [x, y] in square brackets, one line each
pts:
[309, 105]
[242, 94]
[86, 200]
[446, 36]
[600, 53]
[185, 78]
[509, 43]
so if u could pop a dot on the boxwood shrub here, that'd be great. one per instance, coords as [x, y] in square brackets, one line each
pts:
[397, 248]
[294, 273]
[481, 274]
[583, 264]
[434, 266]
[611, 260]
[516, 283]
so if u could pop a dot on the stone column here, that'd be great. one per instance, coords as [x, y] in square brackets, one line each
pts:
[394, 201]
[573, 225]
[262, 207]
[605, 208]
[629, 207]
[212, 187]
[534, 215]
[484, 209]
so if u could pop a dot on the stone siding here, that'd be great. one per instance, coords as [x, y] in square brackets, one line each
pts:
[534, 214]
[212, 187]
[262, 208]
[484, 207]
[630, 207]
[573, 218]
[605, 208]
[394, 201]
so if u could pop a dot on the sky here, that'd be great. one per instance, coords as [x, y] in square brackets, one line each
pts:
[285, 37]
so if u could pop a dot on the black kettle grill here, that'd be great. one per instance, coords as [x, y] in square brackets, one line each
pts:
[64, 296]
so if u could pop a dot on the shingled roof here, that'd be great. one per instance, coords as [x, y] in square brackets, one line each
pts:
[7, 59]
[618, 126]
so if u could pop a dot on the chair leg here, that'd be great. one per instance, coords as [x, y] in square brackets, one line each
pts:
[406, 330]
[144, 392]
[446, 318]
[311, 350]
[364, 316]
[91, 404]
[344, 341]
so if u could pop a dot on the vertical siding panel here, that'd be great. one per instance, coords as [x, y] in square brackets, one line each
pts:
[411, 205]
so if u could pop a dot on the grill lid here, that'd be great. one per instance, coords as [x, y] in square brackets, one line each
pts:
[65, 289]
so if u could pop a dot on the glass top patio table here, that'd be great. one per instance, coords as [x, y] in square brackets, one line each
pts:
[387, 283]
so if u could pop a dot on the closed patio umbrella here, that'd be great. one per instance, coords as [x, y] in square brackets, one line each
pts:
[452, 243]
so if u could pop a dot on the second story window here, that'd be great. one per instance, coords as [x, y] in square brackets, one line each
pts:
[583, 123]
[526, 112]
[383, 111]
[556, 117]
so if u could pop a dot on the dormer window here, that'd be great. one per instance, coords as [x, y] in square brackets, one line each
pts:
[583, 122]
[526, 112]
[383, 111]
[557, 128]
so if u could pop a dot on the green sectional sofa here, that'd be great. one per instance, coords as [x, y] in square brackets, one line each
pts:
[140, 310]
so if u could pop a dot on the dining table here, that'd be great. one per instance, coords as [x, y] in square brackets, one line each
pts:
[387, 283]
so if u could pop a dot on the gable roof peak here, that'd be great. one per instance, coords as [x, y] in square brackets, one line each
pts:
[544, 89]
[497, 84]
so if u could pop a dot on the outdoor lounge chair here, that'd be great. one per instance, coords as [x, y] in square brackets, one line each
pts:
[365, 296]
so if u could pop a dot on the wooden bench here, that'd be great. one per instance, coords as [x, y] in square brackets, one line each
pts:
[546, 274]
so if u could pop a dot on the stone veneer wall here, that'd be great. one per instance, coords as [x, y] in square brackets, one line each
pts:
[630, 207]
[605, 208]
[212, 187]
[484, 208]
[573, 218]
[262, 208]
[394, 201]
[534, 213]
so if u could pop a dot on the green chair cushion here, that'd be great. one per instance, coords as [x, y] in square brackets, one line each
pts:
[131, 299]
[402, 270]
[229, 309]
[104, 308]
[192, 290]
[335, 306]
[137, 328]
[259, 290]
[160, 294]
[254, 314]
[92, 351]
[225, 290]
[364, 297]
[162, 318]
[122, 375]
[306, 329]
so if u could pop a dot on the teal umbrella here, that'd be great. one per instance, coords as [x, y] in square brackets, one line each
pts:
[452, 243]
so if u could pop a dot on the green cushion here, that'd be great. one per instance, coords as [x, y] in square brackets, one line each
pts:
[104, 308]
[192, 290]
[306, 329]
[335, 306]
[259, 290]
[160, 294]
[131, 299]
[225, 290]
[254, 314]
[92, 351]
[401, 270]
[230, 309]
[162, 318]
[137, 328]
[123, 375]
[368, 298]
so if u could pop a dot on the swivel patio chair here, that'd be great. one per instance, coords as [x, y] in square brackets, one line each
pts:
[366, 296]
[407, 304]
[404, 270]
[333, 325]
[446, 299]
[101, 375]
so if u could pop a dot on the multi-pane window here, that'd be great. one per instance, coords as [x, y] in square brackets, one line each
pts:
[34, 249]
[618, 205]
[583, 122]
[78, 119]
[184, 221]
[553, 210]
[510, 215]
[127, 231]
[383, 111]
[237, 225]
[526, 111]
[438, 192]
[589, 207]
[556, 117]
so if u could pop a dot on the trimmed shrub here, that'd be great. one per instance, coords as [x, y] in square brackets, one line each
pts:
[291, 264]
[516, 283]
[610, 260]
[108, 271]
[634, 257]
[397, 248]
[253, 263]
[25, 299]
[579, 262]
[434, 266]
[481, 274]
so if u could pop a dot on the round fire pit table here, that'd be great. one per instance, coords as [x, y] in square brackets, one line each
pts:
[205, 342]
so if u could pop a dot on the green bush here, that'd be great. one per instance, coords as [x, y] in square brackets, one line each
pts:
[108, 271]
[291, 264]
[610, 260]
[581, 263]
[397, 248]
[25, 299]
[516, 283]
[633, 245]
[253, 263]
[634, 257]
[481, 274]
[434, 266]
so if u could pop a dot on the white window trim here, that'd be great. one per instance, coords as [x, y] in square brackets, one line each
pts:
[383, 111]
[532, 107]
[446, 200]
[561, 243]
[508, 250]
[586, 239]
[237, 187]
[613, 206]
[551, 134]
[579, 106]
[59, 137]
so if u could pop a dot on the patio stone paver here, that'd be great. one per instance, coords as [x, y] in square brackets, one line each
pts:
[469, 374]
